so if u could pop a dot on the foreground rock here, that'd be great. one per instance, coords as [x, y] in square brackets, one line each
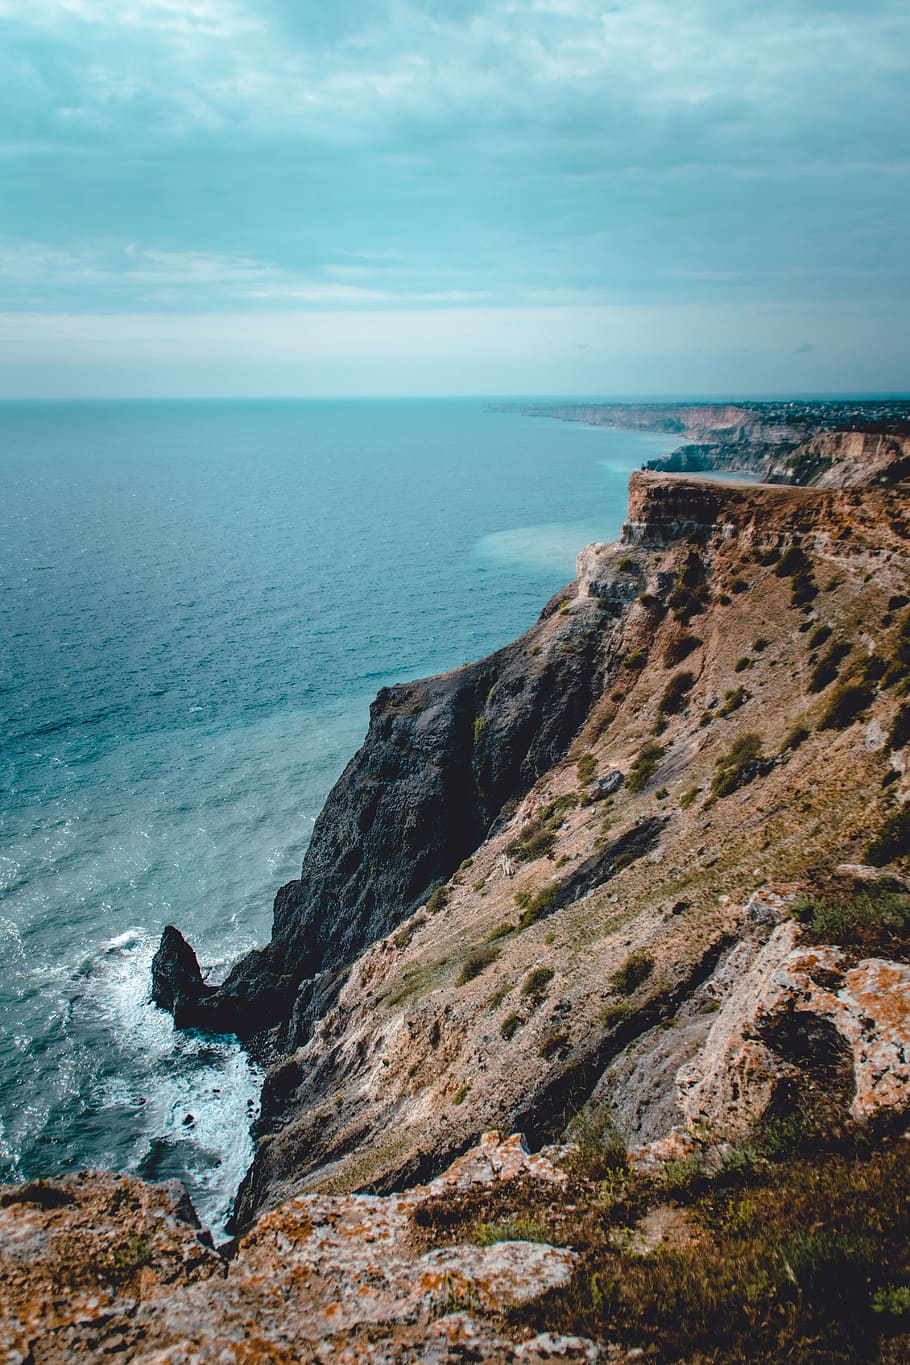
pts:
[95, 1266]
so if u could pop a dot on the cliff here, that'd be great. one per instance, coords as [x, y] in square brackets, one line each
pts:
[634, 886]
[491, 1005]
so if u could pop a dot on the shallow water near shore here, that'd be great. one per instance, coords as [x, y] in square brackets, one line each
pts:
[197, 603]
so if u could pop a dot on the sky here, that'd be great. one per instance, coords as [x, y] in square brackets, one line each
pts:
[393, 197]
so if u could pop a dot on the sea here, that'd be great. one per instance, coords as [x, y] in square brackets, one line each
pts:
[198, 601]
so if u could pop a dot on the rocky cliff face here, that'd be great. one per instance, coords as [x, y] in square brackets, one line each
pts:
[595, 915]
[440, 760]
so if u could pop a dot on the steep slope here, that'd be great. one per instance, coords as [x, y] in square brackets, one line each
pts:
[751, 653]
[440, 759]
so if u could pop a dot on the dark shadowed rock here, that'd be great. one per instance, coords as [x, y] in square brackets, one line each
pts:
[177, 984]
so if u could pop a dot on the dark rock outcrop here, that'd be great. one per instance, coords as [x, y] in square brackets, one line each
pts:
[177, 983]
[441, 759]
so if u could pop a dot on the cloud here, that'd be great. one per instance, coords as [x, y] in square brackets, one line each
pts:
[392, 153]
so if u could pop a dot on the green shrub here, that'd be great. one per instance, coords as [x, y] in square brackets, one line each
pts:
[510, 1025]
[651, 603]
[689, 798]
[480, 724]
[733, 700]
[636, 660]
[871, 917]
[538, 905]
[846, 703]
[461, 1094]
[439, 899]
[535, 984]
[539, 838]
[676, 692]
[680, 649]
[475, 962]
[627, 565]
[738, 585]
[585, 769]
[599, 1149]
[644, 766]
[636, 969]
[760, 644]
[739, 766]
[892, 1299]
[614, 1014]
[742, 664]
[501, 931]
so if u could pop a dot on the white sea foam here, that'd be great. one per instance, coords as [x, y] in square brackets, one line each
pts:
[192, 1098]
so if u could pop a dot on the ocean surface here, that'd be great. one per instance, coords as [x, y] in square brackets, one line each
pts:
[197, 603]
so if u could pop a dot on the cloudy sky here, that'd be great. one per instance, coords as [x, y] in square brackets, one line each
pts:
[444, 196]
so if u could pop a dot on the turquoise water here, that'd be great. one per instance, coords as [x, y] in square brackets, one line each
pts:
[197, 603]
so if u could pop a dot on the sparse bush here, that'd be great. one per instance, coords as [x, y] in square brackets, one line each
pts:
[760, 644]
[742, 664]
[511, 1230]
[614, 1014]
[738, 585]
[690, 592]
[739, 766]
[501, 931]
[873, 917]
[680, 649]
[733, 700]
[651, 603]
[475, 962]
[510, 1025]
[797, 736]
[480, 724]
[439, 899]
[536, 983]
[803, 589]
[537, 906]
[689, 798]
[644, 767]
[636, 969]
[627, 565]
[538, 840]
[825, 671]
[585, 769]
[599, 1149]
[461, 1094]
[636, 660]
[676, 692]
[847, 701]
